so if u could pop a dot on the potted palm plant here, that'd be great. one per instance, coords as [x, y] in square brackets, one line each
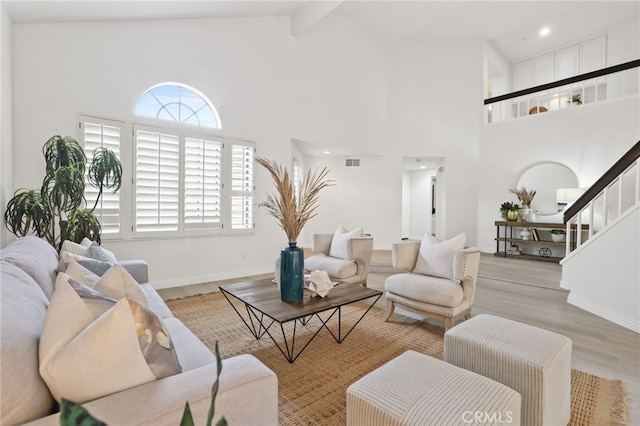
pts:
[58, 211]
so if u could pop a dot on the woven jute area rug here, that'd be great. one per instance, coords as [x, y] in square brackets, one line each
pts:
[312, 390]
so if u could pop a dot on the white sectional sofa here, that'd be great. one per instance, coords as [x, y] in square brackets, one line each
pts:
[248, 391]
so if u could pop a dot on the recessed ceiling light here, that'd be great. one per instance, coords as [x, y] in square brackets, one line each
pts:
[327, 152]
[423, 167]
[544, 31]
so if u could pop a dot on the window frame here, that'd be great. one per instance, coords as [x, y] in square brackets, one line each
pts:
[83, 119]
[127, 193]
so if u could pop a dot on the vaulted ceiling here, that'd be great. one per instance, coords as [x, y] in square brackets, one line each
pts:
[510, 26]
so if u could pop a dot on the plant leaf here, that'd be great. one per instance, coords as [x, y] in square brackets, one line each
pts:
[187, 418]
[74, 414]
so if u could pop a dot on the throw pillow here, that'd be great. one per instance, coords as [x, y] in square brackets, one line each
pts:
[117, 283]
[92, 346]
[98, 267]
[339, 242]
[96, 251]
[75, 248]
[436, 258]
[81, 274]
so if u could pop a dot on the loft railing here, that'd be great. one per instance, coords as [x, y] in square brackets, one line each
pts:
[607, 200]
[608, 83]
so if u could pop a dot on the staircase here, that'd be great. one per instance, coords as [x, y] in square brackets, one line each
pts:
[602, 266]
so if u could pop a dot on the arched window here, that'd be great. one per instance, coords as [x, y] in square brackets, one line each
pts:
[180, 103]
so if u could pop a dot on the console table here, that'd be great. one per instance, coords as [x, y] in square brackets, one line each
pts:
[513, 237]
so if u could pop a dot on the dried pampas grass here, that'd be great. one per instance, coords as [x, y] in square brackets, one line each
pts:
[525, 196]
[291, 210]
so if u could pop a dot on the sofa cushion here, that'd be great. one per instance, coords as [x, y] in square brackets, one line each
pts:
[335, 267]
[339, 242]
[426, 289]
[23, 306]
[192, 353]
[436, 258]
[156, 303]
[37, 258]
[86, 354]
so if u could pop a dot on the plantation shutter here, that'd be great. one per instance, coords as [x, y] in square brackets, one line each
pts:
[97, 133]
[242, 154]
[202, 182]
[157, 193]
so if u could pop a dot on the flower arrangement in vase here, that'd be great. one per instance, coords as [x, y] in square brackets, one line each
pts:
[292, 211]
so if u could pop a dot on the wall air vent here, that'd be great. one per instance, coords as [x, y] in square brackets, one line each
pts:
[352, 162]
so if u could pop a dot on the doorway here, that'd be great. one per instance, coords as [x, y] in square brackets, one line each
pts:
[419, 196]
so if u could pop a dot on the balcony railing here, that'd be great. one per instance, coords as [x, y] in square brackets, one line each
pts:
[614, 82]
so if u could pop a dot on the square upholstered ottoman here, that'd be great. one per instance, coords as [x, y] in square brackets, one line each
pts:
[416, 389]
[533, 361]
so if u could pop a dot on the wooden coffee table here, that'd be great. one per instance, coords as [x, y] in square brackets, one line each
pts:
[261, 300]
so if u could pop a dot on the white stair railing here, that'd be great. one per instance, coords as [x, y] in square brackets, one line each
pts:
[610, 205]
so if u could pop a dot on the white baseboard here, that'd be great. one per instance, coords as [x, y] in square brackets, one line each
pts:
[615, 317]
[180, 282]
[565, 284]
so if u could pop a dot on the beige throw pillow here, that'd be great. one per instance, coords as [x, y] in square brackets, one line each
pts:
[74, 248]
[117, 284]
[81, 274]
[339, 242]
[436, 258]
[92, 346]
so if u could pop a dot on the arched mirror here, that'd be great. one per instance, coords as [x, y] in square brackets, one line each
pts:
[546, 178]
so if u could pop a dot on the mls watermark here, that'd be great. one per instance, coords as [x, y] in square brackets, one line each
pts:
[482, 417]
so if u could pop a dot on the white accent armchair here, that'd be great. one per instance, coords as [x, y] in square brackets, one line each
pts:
[354, 268]
[435, 297]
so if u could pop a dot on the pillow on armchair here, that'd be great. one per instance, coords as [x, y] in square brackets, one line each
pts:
[339, 242]
[437, 258]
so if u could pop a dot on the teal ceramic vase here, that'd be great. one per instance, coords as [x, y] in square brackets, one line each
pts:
[291, 273]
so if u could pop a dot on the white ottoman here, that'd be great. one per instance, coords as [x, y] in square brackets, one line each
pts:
[533, 361]
[415, 389]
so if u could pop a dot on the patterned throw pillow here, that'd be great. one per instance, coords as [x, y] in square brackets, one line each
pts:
[92, 345]
[339, 242]
[436, 258]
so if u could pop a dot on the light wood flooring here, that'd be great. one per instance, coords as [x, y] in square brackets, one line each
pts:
[529, 292]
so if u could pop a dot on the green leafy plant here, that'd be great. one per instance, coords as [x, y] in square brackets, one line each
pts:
[74, 414]
[576, 99]
[57, 211]
[509, 210]
[558, 231]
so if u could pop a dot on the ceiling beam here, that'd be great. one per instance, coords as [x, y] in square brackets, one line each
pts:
[310, 14]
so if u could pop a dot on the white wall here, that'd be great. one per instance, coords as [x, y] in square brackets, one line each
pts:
[434, 101]
[611, 291]
[267, 86]
[6, 120]
[337, 84]
[588, 140]
[623, 42]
